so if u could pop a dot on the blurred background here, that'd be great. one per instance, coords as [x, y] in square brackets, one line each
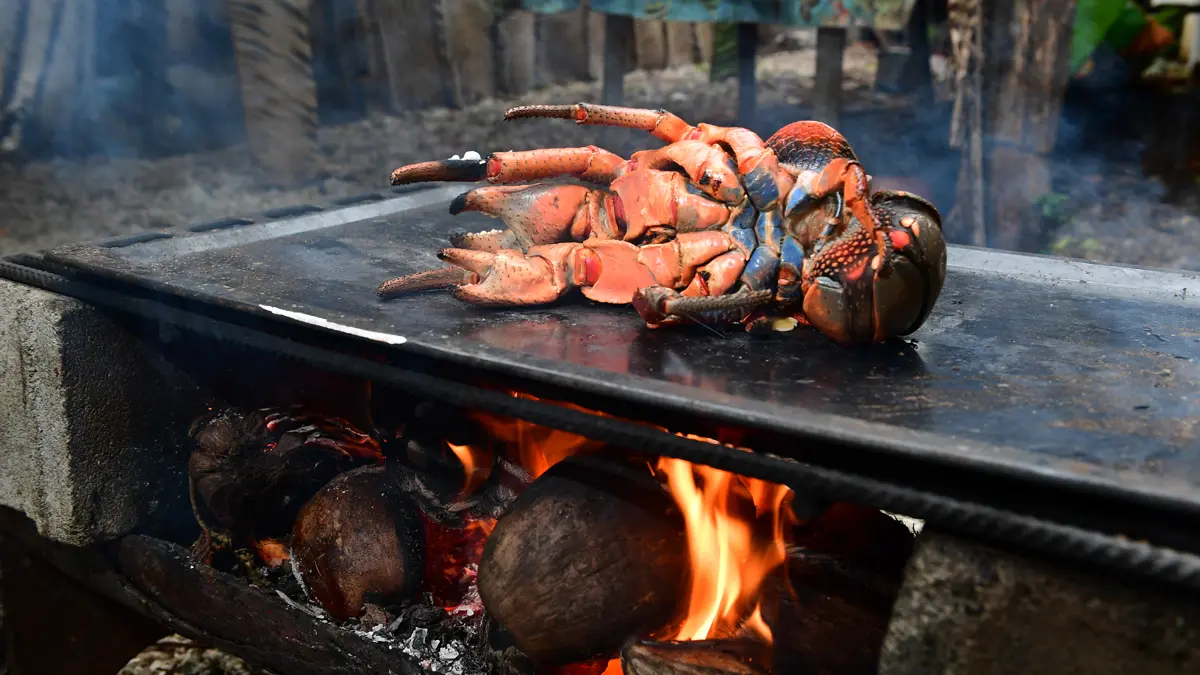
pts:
[1053, 126]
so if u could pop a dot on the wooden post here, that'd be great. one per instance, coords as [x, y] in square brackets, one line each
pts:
[703, 52]
[517, 58]
[53, 45]
[827, 87]
[618, 40]
[619, 45]
[466, 24]
[339, 55]
[562, 47]
[1013, 70]
[377, 90]
[651, 39]
[279, 94]
[680, 43]
[747, 60]
[918, 72]
[410, 52]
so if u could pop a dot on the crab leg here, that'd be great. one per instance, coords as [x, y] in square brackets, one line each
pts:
[644, 206]
[844, 179]
[590, 163]
[608, 271]
[765, 181]
[665, 126]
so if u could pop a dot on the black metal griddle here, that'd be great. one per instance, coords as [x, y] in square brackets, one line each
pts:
[1048, 371]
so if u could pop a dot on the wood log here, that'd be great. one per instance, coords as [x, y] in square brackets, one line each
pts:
[843, 573]
[44, 610]
[698, 657]
[650, 36]
[593, 553]
[1021, 57]
[517, 52]
[359, 539]
[467, 25]
[279, 93]
[163, 582]
[562, 56]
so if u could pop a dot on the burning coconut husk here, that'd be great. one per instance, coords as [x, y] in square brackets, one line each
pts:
[252, 470]
[490, 545]
[591, 554]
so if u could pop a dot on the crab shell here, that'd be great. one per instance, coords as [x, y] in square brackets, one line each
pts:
[878, 306]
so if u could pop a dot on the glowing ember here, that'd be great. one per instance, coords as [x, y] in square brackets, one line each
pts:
[273, 553]
[452, 563]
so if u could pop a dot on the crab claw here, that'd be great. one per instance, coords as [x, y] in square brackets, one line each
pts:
[508, 277]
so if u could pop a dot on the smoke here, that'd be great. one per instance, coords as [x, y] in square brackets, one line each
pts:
[118, 78]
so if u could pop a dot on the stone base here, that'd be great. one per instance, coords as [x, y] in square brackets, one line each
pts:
[91, 419]
[968, 609]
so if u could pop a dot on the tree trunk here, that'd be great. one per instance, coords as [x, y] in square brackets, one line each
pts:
[1012, 68]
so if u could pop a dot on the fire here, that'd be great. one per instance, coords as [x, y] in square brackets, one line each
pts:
[730, 553]
[475, 469]
[728, 562]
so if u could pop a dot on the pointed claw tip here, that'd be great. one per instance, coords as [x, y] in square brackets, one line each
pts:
[458, 205]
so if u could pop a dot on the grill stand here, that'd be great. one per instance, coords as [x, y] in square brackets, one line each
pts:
[971, 609]
[85, 483]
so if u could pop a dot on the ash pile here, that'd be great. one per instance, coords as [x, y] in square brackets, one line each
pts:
[480, 545]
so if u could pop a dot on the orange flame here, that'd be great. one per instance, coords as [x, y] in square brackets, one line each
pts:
[729, 563]
[475, 469]
[729, 553]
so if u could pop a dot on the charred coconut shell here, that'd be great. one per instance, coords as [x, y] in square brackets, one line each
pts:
[592, 554]
[252, 470]
[359, 540]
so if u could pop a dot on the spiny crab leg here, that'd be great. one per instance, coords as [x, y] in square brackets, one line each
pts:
[765, 181]
[590, 163]
[800, 164]
[604, 270]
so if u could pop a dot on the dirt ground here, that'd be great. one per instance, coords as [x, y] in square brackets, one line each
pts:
[1113, 213]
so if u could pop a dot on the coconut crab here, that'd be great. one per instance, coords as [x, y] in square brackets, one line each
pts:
[717, 226]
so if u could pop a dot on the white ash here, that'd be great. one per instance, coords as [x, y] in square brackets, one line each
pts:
[438, 641]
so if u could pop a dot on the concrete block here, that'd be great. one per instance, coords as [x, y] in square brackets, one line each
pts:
[92, 420]
[968, 609]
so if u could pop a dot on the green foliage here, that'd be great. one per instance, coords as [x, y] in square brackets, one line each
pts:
[1093, 19]
[1054, 208]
